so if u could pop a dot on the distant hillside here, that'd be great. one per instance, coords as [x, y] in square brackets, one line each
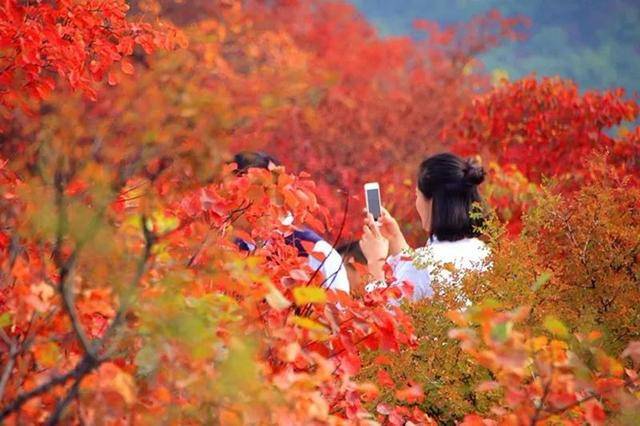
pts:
[594, 42]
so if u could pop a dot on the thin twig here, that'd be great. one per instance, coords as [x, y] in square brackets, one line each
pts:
[335, 242]
[590, 396]
[356, 343]
[231, 218]
[540, 407]
[307, 309]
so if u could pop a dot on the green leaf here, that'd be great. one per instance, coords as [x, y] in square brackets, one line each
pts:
[500, 332]
[147, 359]
[542, 279]
[304, 295]
[555, 326]
[5, 319]
[490, 303]
[239, 370]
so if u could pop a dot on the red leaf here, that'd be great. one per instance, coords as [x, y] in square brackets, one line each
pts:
[411, 394]
[127, 67]
[594, 413]
[350, 363]
[385, 379]
[383, 360]
[472, 420]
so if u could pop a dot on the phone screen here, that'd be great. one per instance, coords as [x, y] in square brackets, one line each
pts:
[373, 201]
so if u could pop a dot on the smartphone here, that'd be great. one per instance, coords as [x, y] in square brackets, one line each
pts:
[372, 196]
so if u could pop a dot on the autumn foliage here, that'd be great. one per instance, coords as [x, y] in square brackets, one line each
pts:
[124, 297]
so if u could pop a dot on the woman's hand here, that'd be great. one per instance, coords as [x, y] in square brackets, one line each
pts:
[375, 247]
[390, 229]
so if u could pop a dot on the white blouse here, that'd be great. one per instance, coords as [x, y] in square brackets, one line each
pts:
[332, 268]
[441, 261]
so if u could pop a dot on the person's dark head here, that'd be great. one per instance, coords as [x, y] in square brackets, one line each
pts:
[253, 159]
[351, 250]
[446, 193]
[352, 256]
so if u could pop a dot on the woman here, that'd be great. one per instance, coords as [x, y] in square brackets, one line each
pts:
[447, 190]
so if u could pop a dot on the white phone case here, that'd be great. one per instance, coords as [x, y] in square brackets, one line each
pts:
[372, 186]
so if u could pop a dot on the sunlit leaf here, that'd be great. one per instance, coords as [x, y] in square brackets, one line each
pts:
[304, 295]
[5, 319]
[307, 323]
[555, 326]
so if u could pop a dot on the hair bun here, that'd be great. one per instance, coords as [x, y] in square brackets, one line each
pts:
[473, 173]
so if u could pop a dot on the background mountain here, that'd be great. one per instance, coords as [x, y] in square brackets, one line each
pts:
[594, 42]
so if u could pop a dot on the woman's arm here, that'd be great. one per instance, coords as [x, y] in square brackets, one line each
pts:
[390, 229]
[375, 248]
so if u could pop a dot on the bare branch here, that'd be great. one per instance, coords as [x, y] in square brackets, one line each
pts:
[90, 361]
[84, 367]
[13, 353]
[63, 403]
[150, 239]
[69, 306]
[16, 349]
[65, 266]
[591, 395]
[543, 400]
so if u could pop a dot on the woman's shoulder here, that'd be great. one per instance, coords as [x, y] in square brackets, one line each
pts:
[472, 249]
[464, 253]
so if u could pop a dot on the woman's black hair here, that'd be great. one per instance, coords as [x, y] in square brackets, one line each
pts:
[252, 159]
[452, 185]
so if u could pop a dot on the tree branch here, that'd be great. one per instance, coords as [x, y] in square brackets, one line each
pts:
[90, 361]
[13, 353]
[84, 367]
[590, 396]
[150, 239]
[63, 403]
[65, 266]
[68, 304]
[540, 407]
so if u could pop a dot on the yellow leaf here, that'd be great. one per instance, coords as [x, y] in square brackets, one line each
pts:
[304, 295]
[555, 326]
[539, 343]
[499, 76]
[450, 267]
[307, 323]
[46, 354]
[123, 384]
